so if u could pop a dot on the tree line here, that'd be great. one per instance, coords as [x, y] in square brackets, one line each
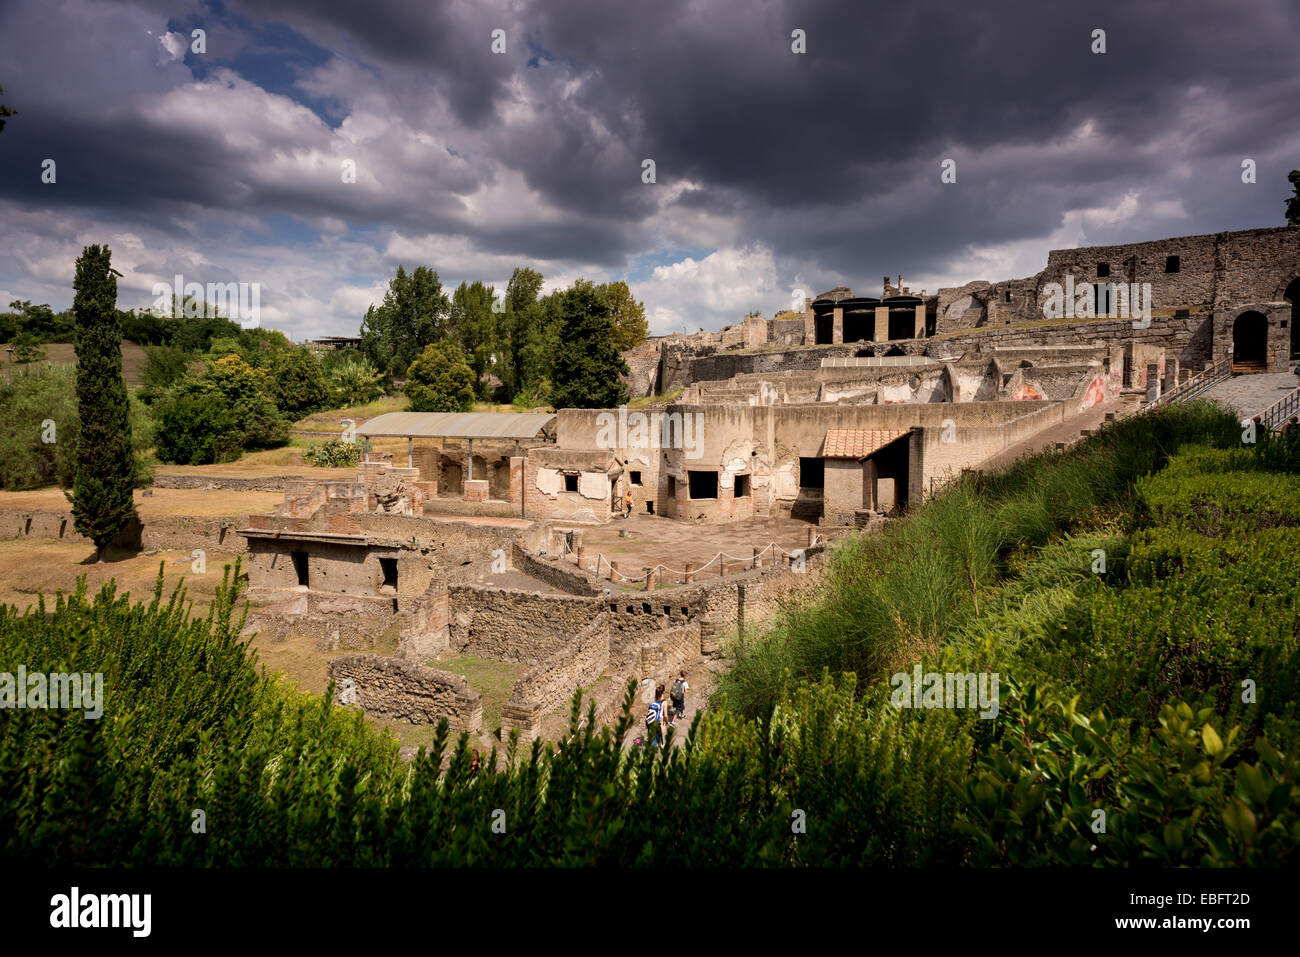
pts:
[517, 346]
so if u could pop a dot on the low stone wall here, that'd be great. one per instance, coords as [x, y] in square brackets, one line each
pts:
[336, 622]
[580, 662]
[664, 653]
[554, 572]
[166, 534]
[392, 688]
[268, 483]
[512, 625]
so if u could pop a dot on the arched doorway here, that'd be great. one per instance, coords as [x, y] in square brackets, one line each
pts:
[1292, 295]
[1250, 342]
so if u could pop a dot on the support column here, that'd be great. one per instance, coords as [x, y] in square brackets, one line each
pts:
[869, 476]
[410, 452]
[837, 327]
[882, 324]
[919, 331]
[470, 476]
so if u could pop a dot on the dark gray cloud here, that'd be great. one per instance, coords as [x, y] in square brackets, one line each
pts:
[830, 159]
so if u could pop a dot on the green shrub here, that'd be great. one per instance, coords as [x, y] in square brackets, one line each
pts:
[215, 416]
[333, 454]
[30, 399]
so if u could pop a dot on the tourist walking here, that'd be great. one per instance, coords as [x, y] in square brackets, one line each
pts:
[627, 504]
[678, 698]
[655, 716]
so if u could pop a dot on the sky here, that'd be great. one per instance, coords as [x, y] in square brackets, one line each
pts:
[227, 156]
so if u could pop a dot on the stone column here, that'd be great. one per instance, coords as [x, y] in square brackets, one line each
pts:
[686, 578]
[649, 578]
[869, 474]
[919, 331]
[882, 324]
[837, 327]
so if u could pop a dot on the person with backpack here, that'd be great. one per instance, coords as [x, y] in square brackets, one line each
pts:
[655, 715]
[678, 698]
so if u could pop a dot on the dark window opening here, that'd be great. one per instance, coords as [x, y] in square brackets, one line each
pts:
[300, 566]
[862, 354]
[1008, 294]
[635, 478]
[631, 609]
[1103, 270]
[1172, 263]
[650, 507]
[389, 567]
[902, 323]
[823, 328]
[812, 473]
[859, 325]
[684, 610]
[742, 486]
[613, 607]
[645, 607]
[1102, 298]
[570, 483]
[672, 487]
[703, 484]
[1182, 313]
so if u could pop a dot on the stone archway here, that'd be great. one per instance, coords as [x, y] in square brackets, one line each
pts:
[1250, 342]
[1292, 295]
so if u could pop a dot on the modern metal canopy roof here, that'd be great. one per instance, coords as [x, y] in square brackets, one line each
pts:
[458, 425]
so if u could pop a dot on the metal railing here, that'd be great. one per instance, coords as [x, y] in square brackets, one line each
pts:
[1194, 386]
[1276, 415]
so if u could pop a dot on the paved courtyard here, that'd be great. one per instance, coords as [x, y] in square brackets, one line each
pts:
[652, 540]
[1251, 394]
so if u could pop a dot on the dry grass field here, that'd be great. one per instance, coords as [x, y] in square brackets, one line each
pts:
[133, 358]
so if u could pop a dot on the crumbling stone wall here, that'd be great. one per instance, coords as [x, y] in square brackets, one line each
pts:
[578, 662]
[393, 688]
[513, 625]
[176, 533]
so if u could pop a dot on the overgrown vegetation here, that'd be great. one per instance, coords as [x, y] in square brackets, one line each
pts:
[1138, 598]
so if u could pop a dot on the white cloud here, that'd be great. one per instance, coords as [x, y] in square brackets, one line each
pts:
[711, 292]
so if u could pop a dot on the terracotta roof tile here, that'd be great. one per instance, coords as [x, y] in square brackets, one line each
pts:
[858, 443]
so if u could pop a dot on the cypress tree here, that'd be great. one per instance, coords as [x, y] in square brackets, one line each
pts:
[102, 497]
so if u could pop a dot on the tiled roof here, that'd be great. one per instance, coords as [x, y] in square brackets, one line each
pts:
[858, 443]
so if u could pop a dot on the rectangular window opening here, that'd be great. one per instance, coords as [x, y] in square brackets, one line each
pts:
[570, 482]
[1173, 263]
[635, 478]
[703, 484]
[742, 486]
[1103, 270]
[812, 473]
